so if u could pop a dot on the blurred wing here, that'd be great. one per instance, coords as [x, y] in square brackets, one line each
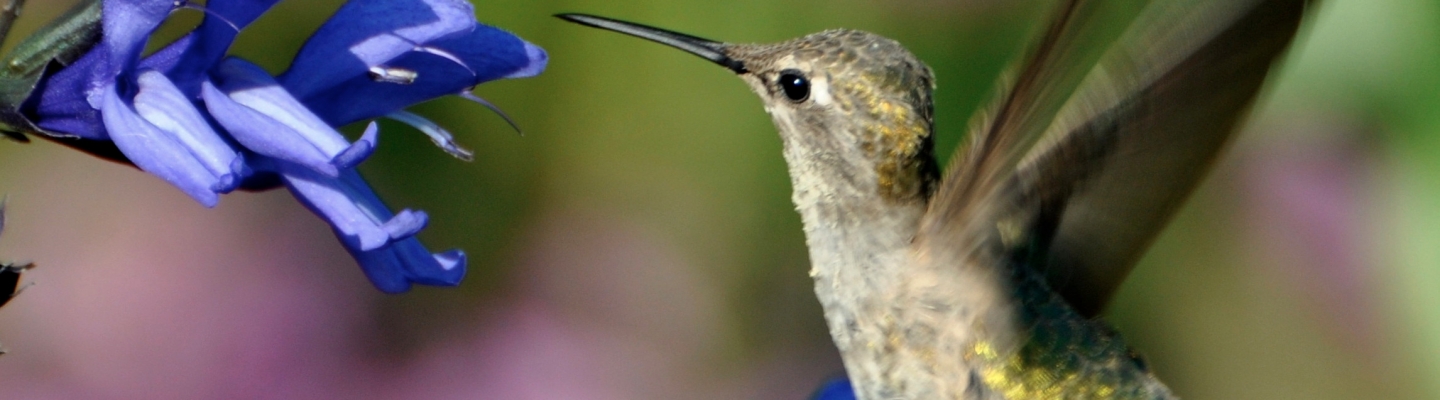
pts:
[1030, 97]
[1140, 133]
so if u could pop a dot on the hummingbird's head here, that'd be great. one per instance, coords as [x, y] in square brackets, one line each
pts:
[849, 104]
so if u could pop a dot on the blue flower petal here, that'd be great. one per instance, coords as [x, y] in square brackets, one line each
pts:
[250, 85]
[361, 149]
[367, 33]
[537, 60]
[60, 105]
[166, 59]
[154, 151]
[247, 84]
[406, 252]
[162, 104]
[835, 389]
[387, 251]
[127, 25]
[406, 224]
[189, 59]
[218, 31]
[488, 53]
[353, 210]
[68, 103]
[440, 269]
[262, 134]
[394, 268]
[383, 268]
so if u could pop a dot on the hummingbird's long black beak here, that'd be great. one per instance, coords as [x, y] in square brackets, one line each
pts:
[705, 48]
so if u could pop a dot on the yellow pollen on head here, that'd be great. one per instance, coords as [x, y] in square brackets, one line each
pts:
[892, 134]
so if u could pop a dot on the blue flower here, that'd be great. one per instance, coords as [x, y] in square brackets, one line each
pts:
[835, 389]
[209, 124]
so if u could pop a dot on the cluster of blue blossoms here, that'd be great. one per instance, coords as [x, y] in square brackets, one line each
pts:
[209, 123]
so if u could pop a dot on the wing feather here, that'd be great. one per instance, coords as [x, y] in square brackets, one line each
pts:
[1086, 195]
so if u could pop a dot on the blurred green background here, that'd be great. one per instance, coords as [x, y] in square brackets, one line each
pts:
[638, 241]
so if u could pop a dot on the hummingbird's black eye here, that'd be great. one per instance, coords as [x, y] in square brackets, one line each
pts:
[795, 85]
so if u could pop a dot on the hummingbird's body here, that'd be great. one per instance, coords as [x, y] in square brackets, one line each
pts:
[942, 289]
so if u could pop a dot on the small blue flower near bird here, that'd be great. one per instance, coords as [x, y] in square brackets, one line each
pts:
[835, 389]
[209, 123]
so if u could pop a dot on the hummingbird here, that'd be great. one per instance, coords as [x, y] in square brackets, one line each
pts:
[987, 282]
